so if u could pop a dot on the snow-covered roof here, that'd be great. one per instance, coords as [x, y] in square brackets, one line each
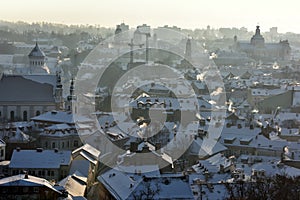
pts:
[39, 159]
[206, 148]
[170, 187]
[61, 117]
[58, 127]
[171, 103]
[212, 164]
[18, 136]
[127, 185]
[88, 152]
[31, 181]
[119, 184]
[73, 185]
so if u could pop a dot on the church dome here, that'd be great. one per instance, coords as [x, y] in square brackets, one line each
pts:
[36, 52]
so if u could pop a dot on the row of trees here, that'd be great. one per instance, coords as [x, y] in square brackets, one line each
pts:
[278, 187]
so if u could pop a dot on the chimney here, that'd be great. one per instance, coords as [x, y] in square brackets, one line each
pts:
[26, 175]
[18, 149]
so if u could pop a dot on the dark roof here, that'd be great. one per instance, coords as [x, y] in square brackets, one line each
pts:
[16, 88]
[36, 52]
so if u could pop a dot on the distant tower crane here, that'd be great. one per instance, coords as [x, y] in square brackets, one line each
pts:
[147, 46]
[131, 44]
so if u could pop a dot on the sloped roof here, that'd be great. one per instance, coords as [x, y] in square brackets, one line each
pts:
[89, 152]
[36, 52]
[42, 78]
[73, 185]
[17, 88]
[20, 180]
[61, 117]
[47, 159]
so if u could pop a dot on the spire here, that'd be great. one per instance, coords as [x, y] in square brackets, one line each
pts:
[36, 52]
[71, 99]
[71, 96]
[58, 92]
[72, 87]
[257, 32]
[58, 80]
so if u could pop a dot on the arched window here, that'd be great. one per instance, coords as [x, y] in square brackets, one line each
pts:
[37, 113]
[12, 116]
[25, 115]
[75, 143]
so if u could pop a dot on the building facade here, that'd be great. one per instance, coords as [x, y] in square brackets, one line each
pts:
[27, 96]
[258, 49]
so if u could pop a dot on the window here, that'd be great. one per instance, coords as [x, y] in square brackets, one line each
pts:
[53, 145]
[46, 144]
[25, 189]
[52, 173]
[35, 189]
[75, 143]
[0, 113]
[12, 116]
[48, 173]
[25, 115]
[63, 145]
[37, 113]
[1, 153]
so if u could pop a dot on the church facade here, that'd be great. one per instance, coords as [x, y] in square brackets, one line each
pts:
[258, 49]
[26, 96]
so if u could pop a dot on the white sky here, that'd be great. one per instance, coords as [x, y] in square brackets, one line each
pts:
[183, 13]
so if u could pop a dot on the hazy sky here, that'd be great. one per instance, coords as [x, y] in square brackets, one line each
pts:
[183, 13]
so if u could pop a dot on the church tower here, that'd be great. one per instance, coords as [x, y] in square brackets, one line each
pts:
[37, 60]
[59, 92]
[257, 39]
[71, 99]
[188, 49]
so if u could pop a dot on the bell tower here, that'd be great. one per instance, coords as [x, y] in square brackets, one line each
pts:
[37, 60]
[59, 92]
[71, 99]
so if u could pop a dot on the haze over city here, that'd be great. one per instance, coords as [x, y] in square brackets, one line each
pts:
[152, 99]
[185, 14]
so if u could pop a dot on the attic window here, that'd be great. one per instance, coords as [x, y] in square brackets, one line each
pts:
[245, 141]
[229, 140]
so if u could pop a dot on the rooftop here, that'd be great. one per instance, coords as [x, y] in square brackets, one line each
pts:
[61, 117]
[41, 159]
[31, 181]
